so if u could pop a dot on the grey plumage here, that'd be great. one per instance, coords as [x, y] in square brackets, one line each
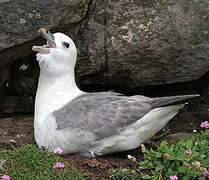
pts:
[161, 101]
[108, 113]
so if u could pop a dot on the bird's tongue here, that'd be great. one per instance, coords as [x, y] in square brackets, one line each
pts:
[50, 44]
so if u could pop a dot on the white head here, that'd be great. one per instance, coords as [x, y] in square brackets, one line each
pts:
[58, 56]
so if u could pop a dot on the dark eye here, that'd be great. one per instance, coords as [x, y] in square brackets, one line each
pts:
[67, 45]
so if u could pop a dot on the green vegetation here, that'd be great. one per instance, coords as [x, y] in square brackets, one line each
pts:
[29, 162]
[188, 159]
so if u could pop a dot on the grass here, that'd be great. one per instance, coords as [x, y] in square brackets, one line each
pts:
[29, 162]
[188, 159]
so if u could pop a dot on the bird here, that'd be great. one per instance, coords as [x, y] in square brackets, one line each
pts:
[90, 124]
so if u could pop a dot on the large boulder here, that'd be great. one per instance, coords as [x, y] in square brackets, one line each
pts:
[122, 45]
[135, 43]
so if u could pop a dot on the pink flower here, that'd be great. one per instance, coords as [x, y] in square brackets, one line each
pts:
[58, 151]
[58, 165]
[173, 177]
[205, 125]
[5, 177]
[205, 173]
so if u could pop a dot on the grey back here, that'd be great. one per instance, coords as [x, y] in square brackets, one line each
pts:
[104, 113]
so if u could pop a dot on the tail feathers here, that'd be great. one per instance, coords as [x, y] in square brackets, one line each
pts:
[161, 101]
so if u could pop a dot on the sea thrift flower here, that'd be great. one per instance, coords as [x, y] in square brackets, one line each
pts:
[196, 164]
[131, 158]
[173, 177]
[58, 151]
[205, 125]
[5, 177]
[205, 173]
[188, 152]
[59, 165]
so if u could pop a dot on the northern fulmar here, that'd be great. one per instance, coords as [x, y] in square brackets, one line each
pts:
[91, 124]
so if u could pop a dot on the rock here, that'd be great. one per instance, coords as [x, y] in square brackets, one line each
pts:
[17, 104]
[123, 45]
[23, 79]
[130, 44]
[20, 20]
[91, 69]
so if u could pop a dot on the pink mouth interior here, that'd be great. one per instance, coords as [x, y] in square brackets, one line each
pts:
[50, 45]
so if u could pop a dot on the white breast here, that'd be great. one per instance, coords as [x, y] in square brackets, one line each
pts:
[51, 96]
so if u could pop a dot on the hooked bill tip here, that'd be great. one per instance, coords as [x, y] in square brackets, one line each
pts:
[42, 30]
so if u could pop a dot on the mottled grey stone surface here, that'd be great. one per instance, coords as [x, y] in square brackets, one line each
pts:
[21, 19]
[122, 44]
[134, 43]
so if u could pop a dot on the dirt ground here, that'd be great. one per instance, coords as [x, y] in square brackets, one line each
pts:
[18, 130]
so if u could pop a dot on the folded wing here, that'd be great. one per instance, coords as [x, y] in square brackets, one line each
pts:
[108, 113]
[104, 113]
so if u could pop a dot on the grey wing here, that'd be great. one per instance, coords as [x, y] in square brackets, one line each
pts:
[162, 101]
[104, 113]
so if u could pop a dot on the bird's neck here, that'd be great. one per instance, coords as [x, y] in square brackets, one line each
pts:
[54, 92]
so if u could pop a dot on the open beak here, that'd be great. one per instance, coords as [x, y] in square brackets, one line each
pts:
[45, 49]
